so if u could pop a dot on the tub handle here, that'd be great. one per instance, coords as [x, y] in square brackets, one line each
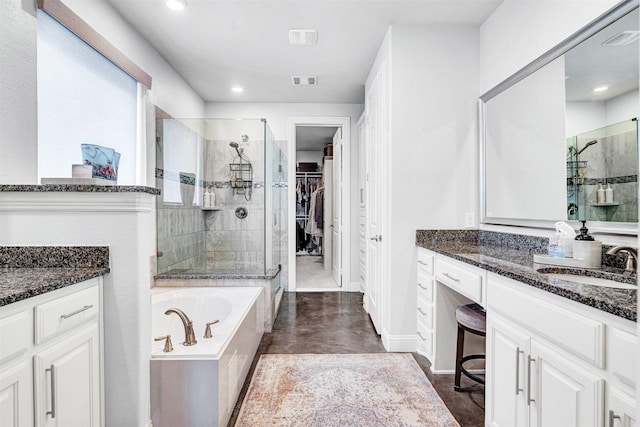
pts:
[207, 331]
[167, 343]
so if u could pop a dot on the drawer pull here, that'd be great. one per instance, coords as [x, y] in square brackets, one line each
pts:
[612, 418]
[420, 285]
[518, 389]
[420, 310]
[451, 277]
[80, 310]
[424, 263]
[421, 337]
[529, 360]
[52, 412]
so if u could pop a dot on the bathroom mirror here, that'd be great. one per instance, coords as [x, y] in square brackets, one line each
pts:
[538, 159]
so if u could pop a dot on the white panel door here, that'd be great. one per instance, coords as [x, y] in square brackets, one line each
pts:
[507, 350]
[564, 394]
[375, 131]
[16, 395]
[336, 220]
[68, 382]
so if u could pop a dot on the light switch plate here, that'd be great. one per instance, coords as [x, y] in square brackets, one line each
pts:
[469, 220]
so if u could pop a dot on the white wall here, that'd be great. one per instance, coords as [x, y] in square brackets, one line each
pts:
[278, 115]
[431, 161]
[587, 116]
[18, 94]
[309, 156]
[519, 31]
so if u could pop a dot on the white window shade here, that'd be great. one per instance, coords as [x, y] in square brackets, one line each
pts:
[82, 98]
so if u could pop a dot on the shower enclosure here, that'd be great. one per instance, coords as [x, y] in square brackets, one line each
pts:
[242, 232]
[606, 157]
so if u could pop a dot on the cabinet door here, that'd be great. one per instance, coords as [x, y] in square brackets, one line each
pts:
[621, 409]
[68, 381]
[564, 394]
[507, 350]
[16, 395]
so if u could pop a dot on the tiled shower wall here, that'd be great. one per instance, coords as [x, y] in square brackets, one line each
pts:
[233, 243]
[613, 160]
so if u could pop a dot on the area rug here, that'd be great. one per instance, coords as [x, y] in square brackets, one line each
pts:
[339, 390]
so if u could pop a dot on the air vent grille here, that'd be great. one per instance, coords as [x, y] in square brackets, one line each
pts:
[304, 80]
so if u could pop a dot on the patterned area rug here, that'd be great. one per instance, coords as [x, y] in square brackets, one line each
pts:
[339, 390]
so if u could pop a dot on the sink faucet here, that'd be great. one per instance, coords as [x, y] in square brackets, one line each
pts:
[632, 259]
[189, 336]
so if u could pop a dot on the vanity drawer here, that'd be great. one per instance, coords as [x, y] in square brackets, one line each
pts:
[16, 334]
[425, 261]
[622, 355]
[425, 312]
[65, 313]
[463, 279]
[425, 287]
[425, 340]
[565, 326]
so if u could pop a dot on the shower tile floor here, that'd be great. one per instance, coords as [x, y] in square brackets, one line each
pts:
[335, 322]
[310, 274]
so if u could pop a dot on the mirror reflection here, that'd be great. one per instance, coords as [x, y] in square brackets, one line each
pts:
[557, 135]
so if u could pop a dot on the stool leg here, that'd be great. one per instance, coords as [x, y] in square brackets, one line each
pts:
[459, 355]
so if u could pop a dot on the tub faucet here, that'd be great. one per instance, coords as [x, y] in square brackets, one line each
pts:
[632, 259]
[189, 336]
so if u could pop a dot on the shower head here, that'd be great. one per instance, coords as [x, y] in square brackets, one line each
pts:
[588, 144]
[234, 144]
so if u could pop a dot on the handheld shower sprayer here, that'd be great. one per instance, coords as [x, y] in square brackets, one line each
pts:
[236, 146]
[588, 144]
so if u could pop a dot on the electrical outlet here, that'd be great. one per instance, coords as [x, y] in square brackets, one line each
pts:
[469, 220]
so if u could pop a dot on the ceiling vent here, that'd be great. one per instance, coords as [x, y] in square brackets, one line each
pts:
[304, 80]
[303, 37]
[622, 39]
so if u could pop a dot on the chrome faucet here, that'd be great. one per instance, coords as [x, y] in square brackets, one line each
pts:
[632, 259]
[189, 336]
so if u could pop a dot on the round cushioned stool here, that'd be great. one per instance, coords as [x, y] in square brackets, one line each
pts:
[471, 318]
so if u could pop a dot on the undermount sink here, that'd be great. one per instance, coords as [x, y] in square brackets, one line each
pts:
[588, 280]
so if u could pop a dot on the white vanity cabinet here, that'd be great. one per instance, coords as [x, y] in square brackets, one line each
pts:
[51, 376]
[425, 312]
[551, 362]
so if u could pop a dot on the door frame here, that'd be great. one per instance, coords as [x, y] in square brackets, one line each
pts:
[345, 253]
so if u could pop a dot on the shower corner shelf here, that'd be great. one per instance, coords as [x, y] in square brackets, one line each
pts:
[214, 208]
[605, 205]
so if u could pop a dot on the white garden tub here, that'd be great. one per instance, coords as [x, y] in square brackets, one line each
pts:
[198, 385]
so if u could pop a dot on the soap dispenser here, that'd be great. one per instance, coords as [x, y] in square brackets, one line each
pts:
[587, 249]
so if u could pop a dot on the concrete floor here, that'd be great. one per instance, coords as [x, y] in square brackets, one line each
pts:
[335, 322]
[311, 274]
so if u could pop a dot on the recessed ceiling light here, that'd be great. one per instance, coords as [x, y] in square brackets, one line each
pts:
[176, 4]
[600, 88]
[622, 39]
[303, 37]
[304, 80]
[237, 89]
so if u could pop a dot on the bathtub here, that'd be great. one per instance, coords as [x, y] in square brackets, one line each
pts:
[198, 385]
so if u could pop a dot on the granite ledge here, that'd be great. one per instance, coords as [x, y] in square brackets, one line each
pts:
[73, 188]
[17, 284]
[514, 260]
[194, 275]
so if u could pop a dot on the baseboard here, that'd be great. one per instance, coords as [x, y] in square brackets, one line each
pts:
[399, 343]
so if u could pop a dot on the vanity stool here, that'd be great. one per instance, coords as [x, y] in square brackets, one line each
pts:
[471, 318]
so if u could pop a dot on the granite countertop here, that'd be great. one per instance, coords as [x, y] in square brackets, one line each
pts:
[29, 271]
[71, 188]
[511, 256]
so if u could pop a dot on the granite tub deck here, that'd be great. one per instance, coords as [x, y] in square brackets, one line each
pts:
[511, 255]
[28, 271]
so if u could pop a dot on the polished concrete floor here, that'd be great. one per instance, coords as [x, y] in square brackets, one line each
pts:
[311, 274]
[335, 322]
